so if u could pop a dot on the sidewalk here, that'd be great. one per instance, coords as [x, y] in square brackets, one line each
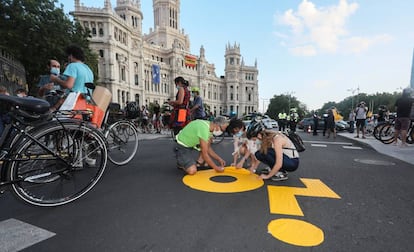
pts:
[403, 153]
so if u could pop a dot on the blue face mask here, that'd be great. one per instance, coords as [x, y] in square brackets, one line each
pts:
[258, 142]
[239, 134]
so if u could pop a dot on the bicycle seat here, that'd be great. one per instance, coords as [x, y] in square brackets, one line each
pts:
[29, 104]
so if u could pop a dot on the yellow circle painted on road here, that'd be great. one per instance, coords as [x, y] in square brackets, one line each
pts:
[296, 232]
[244, 181]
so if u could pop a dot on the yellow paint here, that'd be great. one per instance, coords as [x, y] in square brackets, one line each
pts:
[296, 232]
[245, 181]
[282, 199]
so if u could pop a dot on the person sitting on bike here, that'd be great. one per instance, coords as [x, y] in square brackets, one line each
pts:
[195, 136]
[383, 114]
[182, 100]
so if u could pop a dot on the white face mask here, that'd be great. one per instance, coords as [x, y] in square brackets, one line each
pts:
[217, 133]
[55, 70]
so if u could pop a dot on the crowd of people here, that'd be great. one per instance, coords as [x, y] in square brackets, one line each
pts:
[194, 128]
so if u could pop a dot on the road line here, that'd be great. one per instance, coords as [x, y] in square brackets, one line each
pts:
[352, 147]
[16, 235]
[325, 142]
[319, 145]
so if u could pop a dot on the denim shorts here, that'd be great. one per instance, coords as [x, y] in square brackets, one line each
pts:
[185, 156]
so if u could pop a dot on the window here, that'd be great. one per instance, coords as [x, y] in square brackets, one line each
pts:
[101, 53]
[136, 79]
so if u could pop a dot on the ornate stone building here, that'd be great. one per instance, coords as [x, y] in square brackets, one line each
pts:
[142, 67]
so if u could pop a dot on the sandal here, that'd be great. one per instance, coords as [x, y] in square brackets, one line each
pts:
[201, 164]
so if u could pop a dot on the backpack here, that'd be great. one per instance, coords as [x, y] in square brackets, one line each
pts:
[132, 110]
[296, 140]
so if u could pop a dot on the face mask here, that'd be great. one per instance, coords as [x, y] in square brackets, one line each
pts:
[258, 142]
[239, 134]
[217, 133]
[177, 87]
[55, 71]
[20, 95]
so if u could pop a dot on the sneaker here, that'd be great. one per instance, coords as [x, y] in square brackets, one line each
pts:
[357, 137]
[279, 176]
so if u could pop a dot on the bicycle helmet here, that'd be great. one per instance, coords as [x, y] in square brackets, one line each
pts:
[195, 89]
[254, 128]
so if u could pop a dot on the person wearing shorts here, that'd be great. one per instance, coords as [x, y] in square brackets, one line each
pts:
[403, 121]
[361, 117]
[195, 137]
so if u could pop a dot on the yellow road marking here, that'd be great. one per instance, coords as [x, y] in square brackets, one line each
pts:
[245, 181]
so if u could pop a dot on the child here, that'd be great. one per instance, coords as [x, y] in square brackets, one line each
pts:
[243, 147]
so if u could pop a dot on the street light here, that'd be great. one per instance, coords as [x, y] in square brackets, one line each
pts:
[352, 90]
[264, 99]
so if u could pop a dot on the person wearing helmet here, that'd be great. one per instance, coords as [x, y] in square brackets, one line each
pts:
[276, 151]
[403, 121]
[197, 109]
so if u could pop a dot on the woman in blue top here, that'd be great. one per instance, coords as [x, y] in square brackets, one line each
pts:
[77, 72]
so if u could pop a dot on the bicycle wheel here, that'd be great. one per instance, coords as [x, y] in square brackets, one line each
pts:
[122, 141]
[387, 133]
[57, 164]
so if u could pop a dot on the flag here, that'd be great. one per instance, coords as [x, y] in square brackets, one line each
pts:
[156, 74]
[190, 60]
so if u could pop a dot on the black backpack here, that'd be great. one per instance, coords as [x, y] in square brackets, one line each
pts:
[296, 140]
[132, 110]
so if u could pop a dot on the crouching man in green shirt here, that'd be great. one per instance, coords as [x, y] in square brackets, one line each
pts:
[195, 136]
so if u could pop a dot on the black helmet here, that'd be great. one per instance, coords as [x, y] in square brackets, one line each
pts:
[254, 128]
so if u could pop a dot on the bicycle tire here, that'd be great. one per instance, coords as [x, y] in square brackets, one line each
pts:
[122, 142]
[57, 172]
[387, 134]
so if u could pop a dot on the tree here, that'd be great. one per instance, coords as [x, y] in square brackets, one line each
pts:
[283, 103]
[35, 31]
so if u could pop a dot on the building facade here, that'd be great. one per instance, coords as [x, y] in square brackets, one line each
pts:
[142, 67]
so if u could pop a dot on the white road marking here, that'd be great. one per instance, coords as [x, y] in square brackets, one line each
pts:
[352, 147]
[319, 145]
[16, 235]
[326, 142]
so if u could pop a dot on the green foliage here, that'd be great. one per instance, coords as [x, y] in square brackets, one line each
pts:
[34, 31]
[280, 103]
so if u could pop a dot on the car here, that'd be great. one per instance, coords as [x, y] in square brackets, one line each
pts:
[270, 123]
[247, 119]
[305, 123]
[341, 125]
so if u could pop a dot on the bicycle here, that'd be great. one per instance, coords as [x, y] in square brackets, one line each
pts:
[387, 133]
[120, 134]
[46, 159]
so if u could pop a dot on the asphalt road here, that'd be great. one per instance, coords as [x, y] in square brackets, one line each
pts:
[344, 197]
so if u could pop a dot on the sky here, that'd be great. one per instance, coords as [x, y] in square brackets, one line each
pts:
[315, 50]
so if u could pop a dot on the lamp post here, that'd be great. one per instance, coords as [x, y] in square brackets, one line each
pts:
[263, 100]
[352, 90]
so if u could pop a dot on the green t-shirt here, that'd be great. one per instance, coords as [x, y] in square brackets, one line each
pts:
[190, 135]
